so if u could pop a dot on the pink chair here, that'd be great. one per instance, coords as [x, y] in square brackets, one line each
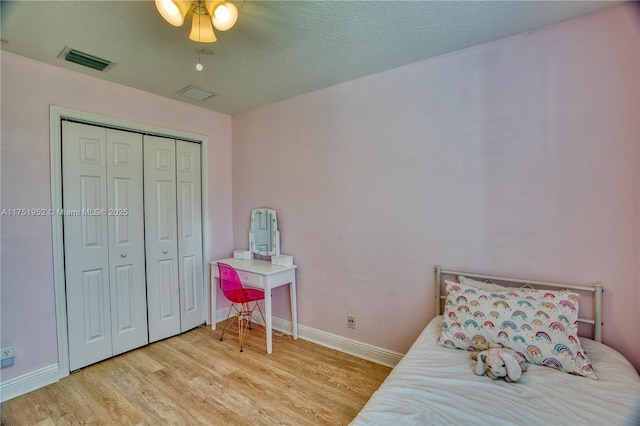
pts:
[237, 294]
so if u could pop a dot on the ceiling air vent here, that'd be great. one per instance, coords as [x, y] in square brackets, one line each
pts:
[194, 92]
[86, 60]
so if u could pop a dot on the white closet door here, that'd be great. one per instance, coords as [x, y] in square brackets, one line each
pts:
[86, 243]
[189, 234]
[125, 218]
[161, 237]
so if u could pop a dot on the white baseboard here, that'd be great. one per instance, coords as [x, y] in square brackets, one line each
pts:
[333, 341]
[28, 382]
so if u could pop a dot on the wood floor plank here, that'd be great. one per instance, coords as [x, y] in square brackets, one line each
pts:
[196, 379]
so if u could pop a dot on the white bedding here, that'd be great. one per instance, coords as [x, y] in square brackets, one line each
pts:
[434, 385]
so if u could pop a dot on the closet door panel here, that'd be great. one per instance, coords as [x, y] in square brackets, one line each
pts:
[166, 288]
[190, 235]
[125, 216]
[161, 237]
[86, 246]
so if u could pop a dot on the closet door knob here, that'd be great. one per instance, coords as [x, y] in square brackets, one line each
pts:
[123, 255]
[165, 251]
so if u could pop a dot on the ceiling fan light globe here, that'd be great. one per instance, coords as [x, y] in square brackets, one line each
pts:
[173, 11]
[201, 29]
[224, 15]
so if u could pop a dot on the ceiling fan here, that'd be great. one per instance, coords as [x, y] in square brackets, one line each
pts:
[207, 14]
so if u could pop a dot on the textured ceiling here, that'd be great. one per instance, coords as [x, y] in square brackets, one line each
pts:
[278, 49]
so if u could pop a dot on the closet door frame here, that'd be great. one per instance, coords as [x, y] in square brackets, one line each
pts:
[56, 115]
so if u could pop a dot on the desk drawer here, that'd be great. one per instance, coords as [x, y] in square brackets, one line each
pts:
[251, 279]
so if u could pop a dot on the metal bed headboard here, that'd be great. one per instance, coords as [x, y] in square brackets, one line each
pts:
[596, 290]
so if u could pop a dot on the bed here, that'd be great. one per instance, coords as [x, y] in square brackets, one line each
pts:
[436, 385]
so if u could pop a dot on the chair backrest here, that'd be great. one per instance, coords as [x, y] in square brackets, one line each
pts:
[229, 280]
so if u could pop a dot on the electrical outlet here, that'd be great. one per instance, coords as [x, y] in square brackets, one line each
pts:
[7, 352]
[351, 321]
[7, 357]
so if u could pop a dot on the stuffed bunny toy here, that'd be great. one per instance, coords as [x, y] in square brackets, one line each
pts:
[498, 362]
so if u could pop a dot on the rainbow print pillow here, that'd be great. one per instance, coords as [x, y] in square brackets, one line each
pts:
[542, 325]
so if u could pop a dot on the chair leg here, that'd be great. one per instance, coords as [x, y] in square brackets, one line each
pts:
[227, 323]
[240, 327]
[249, 317]
[261, 314]
[244, 322]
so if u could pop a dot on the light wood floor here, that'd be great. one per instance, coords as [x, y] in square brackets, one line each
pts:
[196, 379]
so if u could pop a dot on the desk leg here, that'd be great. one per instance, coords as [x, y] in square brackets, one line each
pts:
[268, 319]
[214, 287]
[294, 308]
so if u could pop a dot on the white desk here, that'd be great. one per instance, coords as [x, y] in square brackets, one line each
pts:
[263, 275]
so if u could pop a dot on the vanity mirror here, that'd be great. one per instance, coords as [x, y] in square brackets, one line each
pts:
[264, 238]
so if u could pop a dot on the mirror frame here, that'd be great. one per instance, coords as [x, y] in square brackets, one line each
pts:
[275, 234]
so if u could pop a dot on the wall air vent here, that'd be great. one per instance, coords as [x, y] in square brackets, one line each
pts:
[86, 60]
[194, 92]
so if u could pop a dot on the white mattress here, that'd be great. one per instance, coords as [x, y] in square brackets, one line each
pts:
[434, 385]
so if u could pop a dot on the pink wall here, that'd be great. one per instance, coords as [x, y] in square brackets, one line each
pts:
[28, 88]
[518, 157]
